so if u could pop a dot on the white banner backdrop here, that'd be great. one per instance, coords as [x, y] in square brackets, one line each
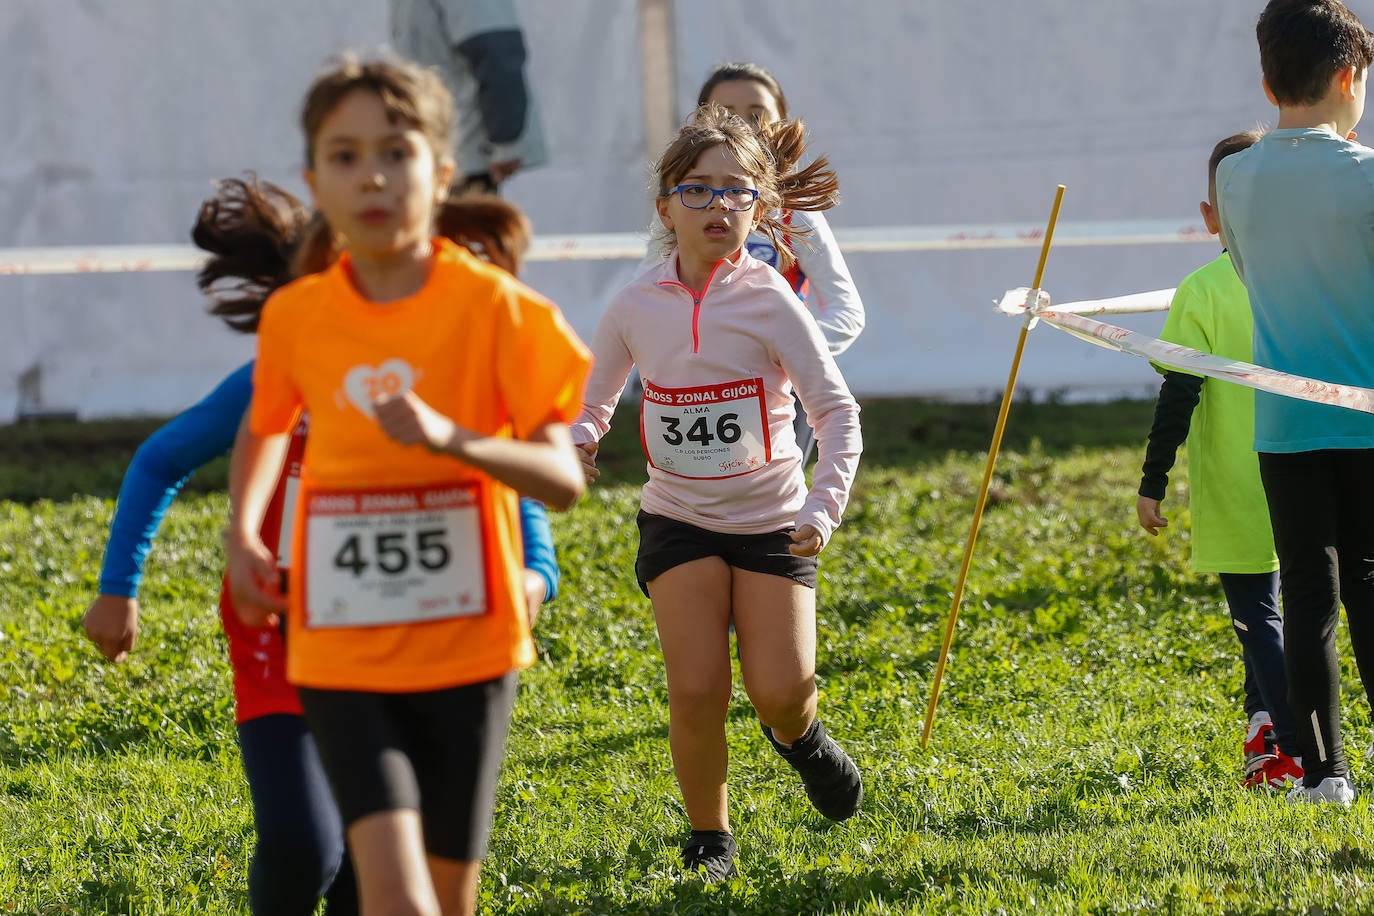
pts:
[120, 112]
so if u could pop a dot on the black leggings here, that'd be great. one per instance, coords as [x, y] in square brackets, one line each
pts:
[300, 853]
[1321, 504]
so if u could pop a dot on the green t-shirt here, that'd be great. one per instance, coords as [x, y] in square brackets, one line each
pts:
[1231, 534]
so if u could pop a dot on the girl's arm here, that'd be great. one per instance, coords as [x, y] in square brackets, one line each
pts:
[833, 298]
[543, 466]
[833, 413]
[254, 580]
[159, 469]
[540, 556]
[611, 364]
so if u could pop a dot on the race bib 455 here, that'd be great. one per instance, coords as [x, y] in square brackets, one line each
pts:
[393, 556]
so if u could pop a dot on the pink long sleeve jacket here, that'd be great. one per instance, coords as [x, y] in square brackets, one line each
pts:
[719, 366]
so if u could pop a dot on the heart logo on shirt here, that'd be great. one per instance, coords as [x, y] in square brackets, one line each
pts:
[364, 384]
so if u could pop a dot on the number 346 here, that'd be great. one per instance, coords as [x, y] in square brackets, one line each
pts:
[727, 430]
[392, 555]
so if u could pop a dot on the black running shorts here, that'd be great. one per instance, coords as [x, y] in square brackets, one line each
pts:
[438, 752]
[665, 543]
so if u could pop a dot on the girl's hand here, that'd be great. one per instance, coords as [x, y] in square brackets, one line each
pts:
[806, 542]
[254, 581]
[536, 590]
[410, 421]
[1147, 510]
[111, 622]
[586, 453]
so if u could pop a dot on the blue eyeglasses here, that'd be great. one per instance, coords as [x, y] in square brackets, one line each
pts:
[700, 196]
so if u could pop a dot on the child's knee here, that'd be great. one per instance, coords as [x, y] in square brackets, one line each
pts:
[699, 697]
[783, 703]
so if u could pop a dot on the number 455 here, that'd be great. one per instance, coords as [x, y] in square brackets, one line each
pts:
[390, 553]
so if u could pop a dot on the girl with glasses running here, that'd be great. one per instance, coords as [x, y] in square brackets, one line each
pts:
[729, 532]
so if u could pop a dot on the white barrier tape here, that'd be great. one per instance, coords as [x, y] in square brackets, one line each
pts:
[1014, 301]
[632, 245]
[1199, 363]
[148, 258]
[1020, 235]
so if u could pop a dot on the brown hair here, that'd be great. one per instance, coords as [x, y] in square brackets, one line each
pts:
[1302, 43]
[411, 94]
[768, 154]
[257, 235]
[727, 73]
[249, 228]
[1232, 144]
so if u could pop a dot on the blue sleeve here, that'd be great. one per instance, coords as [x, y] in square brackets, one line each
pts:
[160, 468]
[538, 537]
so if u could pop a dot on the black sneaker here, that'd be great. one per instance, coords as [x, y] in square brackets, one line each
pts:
[711, 854]
[832, 780]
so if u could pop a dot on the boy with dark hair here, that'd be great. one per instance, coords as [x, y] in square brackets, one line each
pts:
[1231, 534]
[1297, 209]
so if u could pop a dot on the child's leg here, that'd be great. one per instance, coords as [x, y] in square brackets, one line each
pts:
[455, 883]
[457, 744]
[1253, 699]
[364, 751]
[775, 622]
[1304, 508]
[692, 610]
[389, 854]
[1253, 601]
[299, 833]
[1356, 551]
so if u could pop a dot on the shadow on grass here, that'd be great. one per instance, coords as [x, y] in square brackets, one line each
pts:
[606, 747]
[761, 888]
[765, 888]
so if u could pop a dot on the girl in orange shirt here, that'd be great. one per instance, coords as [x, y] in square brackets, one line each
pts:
[437, 386]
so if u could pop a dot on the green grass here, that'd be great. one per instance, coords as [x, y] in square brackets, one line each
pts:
[1084, 760]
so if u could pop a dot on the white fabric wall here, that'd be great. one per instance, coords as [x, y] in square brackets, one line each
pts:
[119, 112]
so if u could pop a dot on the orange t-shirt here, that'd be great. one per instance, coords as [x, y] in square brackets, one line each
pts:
[406, 571]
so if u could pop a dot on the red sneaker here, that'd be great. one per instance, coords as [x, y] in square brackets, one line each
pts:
[1260, 747]
[1278, 773]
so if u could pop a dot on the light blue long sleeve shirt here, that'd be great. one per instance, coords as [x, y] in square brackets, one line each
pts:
[1297, 212]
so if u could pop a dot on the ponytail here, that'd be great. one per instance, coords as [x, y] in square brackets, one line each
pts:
[249, 229]
[489, 227]
[815, 187]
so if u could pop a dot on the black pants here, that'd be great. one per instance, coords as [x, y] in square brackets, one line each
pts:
[300, 855]
[1321, 505]
[1253, 600]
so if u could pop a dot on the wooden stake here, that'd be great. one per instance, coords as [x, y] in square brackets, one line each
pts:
[981, 503]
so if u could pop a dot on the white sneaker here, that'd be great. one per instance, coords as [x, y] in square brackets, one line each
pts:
[1331, 790]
